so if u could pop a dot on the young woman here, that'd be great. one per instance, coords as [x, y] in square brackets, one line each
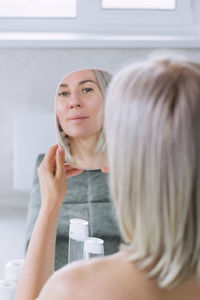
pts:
[153, 139]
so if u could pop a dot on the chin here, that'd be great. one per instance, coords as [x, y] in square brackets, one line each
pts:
[81, 132]
[79, 135]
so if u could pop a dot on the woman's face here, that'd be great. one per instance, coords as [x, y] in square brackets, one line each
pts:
[80, 104]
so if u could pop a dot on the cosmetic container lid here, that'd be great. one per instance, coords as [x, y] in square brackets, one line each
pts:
[78, 229]
[94, 245]
[13, 269]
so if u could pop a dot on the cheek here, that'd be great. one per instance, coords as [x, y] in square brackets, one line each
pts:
[59, 110]
[98, 113]
[98, 106]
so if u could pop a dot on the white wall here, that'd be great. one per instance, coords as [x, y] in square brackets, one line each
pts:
[28, 80]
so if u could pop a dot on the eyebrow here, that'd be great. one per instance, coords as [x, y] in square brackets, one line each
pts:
[80, 82]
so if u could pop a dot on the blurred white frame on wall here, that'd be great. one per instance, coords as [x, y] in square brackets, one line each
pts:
[97, 27]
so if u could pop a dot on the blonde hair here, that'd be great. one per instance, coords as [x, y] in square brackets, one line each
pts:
[103, 78]
[152, 123]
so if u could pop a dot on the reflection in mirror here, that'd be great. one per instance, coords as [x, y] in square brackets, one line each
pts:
[80, 117]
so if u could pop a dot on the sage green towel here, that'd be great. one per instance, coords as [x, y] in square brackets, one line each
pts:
[87, 198]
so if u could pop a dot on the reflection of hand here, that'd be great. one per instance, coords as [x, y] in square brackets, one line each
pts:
[52, 175]
[105, 170]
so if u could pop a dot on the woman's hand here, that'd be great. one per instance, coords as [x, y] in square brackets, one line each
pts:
[40, 256]
[53, 176]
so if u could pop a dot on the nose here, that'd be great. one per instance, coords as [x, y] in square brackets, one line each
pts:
[74, 101]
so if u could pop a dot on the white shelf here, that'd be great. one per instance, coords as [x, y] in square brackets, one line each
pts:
[91, 40]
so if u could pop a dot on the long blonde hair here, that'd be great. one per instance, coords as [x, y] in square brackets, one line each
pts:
[152, 123]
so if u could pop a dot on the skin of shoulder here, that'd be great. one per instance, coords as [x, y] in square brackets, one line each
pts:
[110, 278]
[79, 280]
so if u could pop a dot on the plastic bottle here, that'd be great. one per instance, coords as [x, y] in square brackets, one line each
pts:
[7, 289]
[78, 233]
[13, 269]
[93, 247]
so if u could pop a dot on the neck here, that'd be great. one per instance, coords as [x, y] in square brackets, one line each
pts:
[82, 150]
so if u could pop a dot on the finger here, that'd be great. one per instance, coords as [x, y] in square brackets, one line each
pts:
[69, 167]
[48, 162]
[71, 173]
[51, 153]
[60, 159]
[105, 170]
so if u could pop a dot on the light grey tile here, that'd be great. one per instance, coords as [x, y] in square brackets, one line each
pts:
[12, 227]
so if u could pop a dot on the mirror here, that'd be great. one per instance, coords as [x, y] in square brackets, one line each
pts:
[79, 110]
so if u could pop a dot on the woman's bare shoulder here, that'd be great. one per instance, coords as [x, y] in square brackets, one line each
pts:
[82, 280]
[108, 278]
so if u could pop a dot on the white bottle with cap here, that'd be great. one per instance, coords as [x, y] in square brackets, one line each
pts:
[93, 247]
[7, 289]
[13, 269]
[8, 285]
[78, 233]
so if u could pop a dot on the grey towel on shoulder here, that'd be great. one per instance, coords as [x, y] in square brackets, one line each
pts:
[87, 198]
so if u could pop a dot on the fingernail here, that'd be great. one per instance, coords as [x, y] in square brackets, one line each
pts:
[60, 150]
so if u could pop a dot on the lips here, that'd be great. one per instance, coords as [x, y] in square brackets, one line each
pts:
[78, 118]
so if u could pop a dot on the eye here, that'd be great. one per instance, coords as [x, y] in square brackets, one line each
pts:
[64, 94]
[87, 90]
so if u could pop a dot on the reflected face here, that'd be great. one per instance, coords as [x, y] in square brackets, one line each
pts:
[80, 104]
